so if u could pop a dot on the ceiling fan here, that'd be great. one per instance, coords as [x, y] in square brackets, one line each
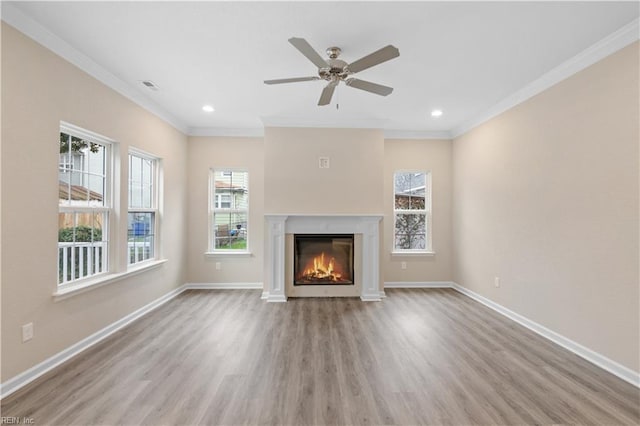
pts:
[335, 70]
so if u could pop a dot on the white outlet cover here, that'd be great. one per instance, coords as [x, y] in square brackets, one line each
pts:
[27, 332]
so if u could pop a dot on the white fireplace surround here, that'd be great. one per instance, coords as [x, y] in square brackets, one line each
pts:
[278, 225]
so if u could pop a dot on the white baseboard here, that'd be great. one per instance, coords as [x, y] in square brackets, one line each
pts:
[276, 298]
[26, 377]
[599, 360]
[223, 286]
[413, 284]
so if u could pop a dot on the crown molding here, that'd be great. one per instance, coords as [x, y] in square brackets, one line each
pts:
[346, 123]
[227, 131]
[31, 28]
[596, 52]
[416, 134]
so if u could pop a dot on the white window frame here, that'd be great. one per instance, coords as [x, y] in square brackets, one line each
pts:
[427, 212]
[213, 207]
[155, 197]
[106, 209]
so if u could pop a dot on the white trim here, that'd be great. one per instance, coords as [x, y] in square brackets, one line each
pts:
[224, 286]
[33, 29]
[277, 298]
[417, 134]
[73, 130]
[337, 123]
[596, 52]
[228, 253]
[409, 253]
[26, 377]
[227, 131]
[371, 298]
[79, 287]
[418, 284]
[595, 358]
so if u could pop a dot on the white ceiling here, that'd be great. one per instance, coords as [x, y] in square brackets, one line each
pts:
[462, 57]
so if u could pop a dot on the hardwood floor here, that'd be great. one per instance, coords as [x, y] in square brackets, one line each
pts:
[422, 356]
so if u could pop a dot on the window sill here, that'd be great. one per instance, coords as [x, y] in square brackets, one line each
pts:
[99, 281]
[239, 253]
[400, 253]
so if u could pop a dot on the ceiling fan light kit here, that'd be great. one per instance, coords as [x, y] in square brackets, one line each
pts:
[334, 70]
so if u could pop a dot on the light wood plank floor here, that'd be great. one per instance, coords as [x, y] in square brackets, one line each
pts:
[422, 356]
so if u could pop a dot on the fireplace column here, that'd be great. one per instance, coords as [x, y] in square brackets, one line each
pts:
[274, 271]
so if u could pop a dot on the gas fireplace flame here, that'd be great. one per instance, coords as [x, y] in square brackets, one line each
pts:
[322, 270]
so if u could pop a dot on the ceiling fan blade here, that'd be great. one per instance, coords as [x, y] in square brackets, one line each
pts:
[327, 93]
[290, 80]
[375, 58]
[368, 86]
[308, 51]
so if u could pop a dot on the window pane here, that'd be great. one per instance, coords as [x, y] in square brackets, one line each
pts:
[140, 236]
[410, 231]
[81, 172]
[82, 245]
[230, 230]
[141, 176]
[231, 190]
[410, 191]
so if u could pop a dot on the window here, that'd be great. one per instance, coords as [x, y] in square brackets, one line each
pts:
[143, 208]
[228, 210]
[412, 211]
[223, 201]
[84, 204]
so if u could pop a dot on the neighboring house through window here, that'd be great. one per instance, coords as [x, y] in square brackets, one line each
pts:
[412, 211]
[84, 204]
[228, 210]
[143, 207]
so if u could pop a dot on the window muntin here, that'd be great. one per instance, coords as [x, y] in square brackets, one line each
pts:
[229, 210]
[84, 205]
[412, 211]
[142, 212]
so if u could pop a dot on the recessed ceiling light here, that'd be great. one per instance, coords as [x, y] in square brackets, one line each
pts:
[436, 113]
[208, 108]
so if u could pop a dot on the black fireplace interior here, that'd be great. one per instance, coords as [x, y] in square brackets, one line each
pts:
[323, 259]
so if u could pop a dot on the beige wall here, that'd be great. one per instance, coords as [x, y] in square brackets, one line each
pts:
[428, 155]
[206, 153]
[39, 89]
[546, 198]
[295, 184]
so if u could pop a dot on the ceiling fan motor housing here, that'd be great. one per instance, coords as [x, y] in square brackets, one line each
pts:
[336, 69]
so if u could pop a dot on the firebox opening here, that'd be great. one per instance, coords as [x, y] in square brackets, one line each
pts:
[323, 259]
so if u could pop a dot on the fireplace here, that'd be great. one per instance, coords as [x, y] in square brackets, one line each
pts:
[279, 258]
[323, 259]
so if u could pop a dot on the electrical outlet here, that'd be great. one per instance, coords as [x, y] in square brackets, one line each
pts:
[27, 332]
[403, 265]
[218, 266]
[496, 282]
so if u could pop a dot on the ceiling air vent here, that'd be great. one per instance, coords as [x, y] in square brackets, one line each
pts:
[150, 84]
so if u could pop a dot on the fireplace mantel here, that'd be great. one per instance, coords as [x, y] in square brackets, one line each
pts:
[278, 225]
